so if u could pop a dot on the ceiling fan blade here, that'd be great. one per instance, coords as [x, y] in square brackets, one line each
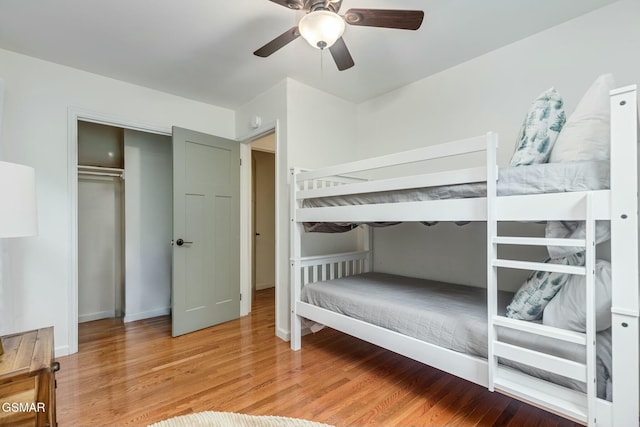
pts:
[280, 41]
[386, 18]
[341, 55]
[291, 4]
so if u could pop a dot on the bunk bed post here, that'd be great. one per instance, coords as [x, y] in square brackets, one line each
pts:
[590, 292]
[367, 241]
[295, 255]
[624, 256]
[492, 254]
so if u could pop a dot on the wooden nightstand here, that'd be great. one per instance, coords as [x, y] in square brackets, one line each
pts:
[27, 379]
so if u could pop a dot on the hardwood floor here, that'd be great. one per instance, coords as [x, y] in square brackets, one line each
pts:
[136, 374]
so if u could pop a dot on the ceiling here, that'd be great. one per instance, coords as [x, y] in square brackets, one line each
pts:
[202, 49]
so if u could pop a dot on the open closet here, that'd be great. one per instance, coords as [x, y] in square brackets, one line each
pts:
[124, 223]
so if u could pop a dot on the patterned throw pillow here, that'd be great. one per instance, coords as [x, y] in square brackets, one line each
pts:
[540, 129]
[536, 292]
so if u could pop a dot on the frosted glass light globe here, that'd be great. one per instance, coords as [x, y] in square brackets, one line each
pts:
[321, 28]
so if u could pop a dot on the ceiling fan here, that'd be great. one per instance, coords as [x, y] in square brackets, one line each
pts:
[322, 27]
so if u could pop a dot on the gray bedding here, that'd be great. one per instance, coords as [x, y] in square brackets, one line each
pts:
[447, 315]
[531, 179]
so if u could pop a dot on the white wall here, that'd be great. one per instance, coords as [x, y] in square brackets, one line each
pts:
[271, 107]
[100, 248]
[314, 129]
[1, 113]
[321, 132]
[38, 273]
[148, 224]
[491, 92]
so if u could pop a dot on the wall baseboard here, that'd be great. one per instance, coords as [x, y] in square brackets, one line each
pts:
[62, 350]
[95, 316]
[261, 286]
[147, 314]
[283, 334]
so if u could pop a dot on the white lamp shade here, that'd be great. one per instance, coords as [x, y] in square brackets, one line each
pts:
[18, 213]
[321, 28]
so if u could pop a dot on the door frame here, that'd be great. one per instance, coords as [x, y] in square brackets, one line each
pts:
[246, 229]
[253, 206]
[78, 114]
[73, 116]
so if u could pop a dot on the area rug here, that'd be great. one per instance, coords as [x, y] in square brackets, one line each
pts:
[229, 419]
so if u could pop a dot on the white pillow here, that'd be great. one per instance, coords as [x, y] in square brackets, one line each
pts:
[567, 310]
[540, 288]
[573, 230]
[585, 136]
[541, 127]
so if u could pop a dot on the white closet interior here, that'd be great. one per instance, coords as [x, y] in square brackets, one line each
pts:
[124, 223]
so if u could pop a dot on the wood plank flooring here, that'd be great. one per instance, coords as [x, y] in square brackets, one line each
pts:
[136, 374]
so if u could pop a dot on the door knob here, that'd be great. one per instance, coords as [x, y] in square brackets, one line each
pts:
[181, 242]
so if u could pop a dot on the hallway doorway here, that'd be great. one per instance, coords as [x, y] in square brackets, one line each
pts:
[263, 196]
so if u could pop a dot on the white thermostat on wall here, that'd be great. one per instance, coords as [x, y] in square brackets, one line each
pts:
[256, 121]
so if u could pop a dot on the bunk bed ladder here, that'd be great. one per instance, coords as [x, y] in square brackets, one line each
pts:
[520, 385]
[624, 256]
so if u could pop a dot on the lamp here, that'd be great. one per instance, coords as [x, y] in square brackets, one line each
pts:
[321, 28]
[18, 215]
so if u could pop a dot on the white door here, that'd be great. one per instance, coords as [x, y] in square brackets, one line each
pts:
[206, 231]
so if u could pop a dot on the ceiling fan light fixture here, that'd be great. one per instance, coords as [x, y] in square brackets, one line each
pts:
[321, 28]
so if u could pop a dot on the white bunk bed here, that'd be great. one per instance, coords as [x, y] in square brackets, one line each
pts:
[617, 204]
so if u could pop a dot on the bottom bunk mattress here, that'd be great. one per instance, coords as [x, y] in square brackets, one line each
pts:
[447, 315]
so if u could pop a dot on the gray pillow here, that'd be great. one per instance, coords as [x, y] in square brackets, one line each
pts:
[540, 129]
[536, 292]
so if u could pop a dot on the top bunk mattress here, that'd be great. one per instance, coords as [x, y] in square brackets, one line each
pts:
[447, 315]
[520, 180]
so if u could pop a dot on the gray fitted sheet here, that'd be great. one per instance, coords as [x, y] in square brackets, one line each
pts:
[512, 181]
[530, 179]
[444, 314]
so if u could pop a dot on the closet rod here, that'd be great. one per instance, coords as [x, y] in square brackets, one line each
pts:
[100, 171]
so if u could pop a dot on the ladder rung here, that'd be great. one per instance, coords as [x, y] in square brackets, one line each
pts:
[538, 241]
[543, 330]
[539, 392]
[547, 362]
[541, 266]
